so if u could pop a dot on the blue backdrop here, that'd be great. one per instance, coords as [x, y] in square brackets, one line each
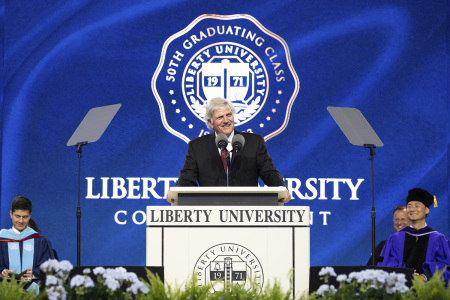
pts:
[62, 58]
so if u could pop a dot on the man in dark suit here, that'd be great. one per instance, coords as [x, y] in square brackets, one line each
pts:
[400, 221]
[204, 166]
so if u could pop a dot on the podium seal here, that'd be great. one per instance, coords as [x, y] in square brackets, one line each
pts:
[228, 263]
[233, 57]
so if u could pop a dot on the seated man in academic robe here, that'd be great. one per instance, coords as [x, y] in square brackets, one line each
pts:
[418, 246]
[22, 250]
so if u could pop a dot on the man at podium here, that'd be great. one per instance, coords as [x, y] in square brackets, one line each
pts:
[207, 165]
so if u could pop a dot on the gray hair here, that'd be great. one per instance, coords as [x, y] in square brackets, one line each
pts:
[399, 208]
[216, 103]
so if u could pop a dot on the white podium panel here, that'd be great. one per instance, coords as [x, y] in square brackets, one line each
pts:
[242, 245]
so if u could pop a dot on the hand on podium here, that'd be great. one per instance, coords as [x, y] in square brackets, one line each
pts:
[287, 197]
[169, 199]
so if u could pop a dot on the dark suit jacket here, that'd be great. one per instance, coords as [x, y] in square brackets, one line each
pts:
[378, 250]
[203, 165]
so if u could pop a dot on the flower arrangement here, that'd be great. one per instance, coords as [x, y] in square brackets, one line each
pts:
[110, 283]
[378, 284]
[117, 283]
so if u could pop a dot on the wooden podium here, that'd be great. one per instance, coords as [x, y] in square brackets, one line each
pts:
[243, 244]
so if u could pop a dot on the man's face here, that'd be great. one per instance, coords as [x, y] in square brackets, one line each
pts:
[222, 121]
[400, 220]
[20, 219]
[416, 210]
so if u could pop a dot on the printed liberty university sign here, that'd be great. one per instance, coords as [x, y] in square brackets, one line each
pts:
[233, 57]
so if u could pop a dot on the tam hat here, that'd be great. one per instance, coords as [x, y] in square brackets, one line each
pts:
[418, 194]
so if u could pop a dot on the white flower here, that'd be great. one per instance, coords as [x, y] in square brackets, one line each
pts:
[99, 270]
[109, 273]
[402, 288]
[81, 280]
[51, 280]
[64, 266]
[341, 277]
[352, 276]
[401, 278]
[365, 275]
[325, 288]
[77, 280]
[49, 265]
[396, 283]
[138, 286]
[112, 284]
[144, 289]
[327, 271]
[116, 273]
[378, 279]
[52, 293]
[391, 279]
[86, 271]
[88, 282]
[381, 277]
[130, 277]
[56, 293]
[120, 273]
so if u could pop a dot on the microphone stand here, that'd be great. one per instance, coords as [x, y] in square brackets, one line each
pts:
[359, 133]
[373, 212]
[79, 145]
[90, 130]
[234, 151]
[228, 167]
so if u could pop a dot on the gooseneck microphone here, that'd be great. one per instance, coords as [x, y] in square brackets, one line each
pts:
[238, 142]
[221, 141]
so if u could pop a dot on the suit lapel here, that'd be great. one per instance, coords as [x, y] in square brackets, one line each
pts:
[212, 148]
[214, 151]
[235, 156]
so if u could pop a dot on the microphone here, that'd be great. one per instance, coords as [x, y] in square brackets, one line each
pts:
[238, 142]
[221, 141]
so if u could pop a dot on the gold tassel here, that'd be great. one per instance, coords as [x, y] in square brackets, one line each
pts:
[435, 201]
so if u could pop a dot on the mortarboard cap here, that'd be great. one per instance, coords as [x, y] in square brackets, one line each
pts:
[418, 194]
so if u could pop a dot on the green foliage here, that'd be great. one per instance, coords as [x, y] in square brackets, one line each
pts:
[433, 289]
[156, 287]
[14, 290]
[193, 291]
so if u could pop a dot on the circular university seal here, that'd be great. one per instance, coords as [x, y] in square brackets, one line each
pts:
[228, 263]
[28, 246]
[13, 246]
[233, 57]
